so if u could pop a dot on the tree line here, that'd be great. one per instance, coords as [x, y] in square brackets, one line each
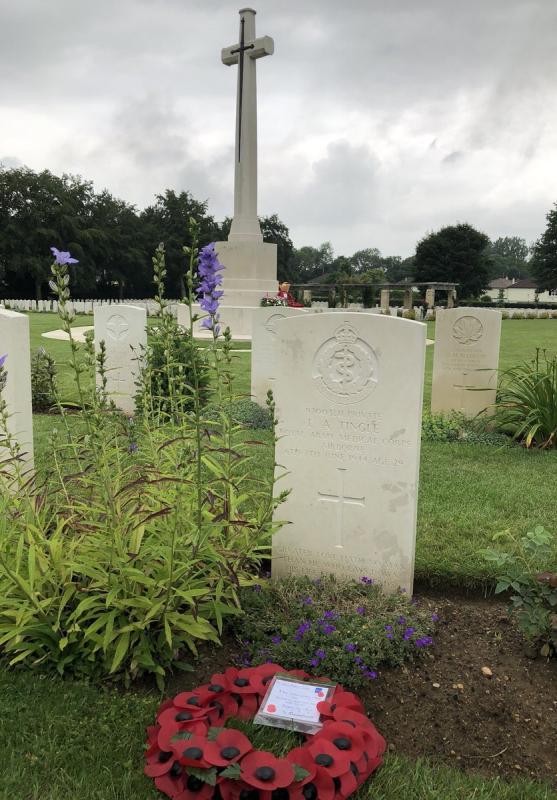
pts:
[114, 243]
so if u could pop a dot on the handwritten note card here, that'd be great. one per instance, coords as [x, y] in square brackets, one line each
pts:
[289, 702]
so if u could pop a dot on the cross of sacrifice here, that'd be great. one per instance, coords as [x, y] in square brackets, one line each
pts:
[339, 500]
[245, 224]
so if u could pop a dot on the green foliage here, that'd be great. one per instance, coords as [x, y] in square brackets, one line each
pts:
[544, 255]
[534, 601]
[129, 549]
[43, 380]
[246, 413]
[457, 253]
[344, 630]
[526, 404]
[509, 257]
[456, 427]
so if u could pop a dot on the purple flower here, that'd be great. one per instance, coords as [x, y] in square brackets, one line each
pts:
[307, 601]
[62, 256]
[389, 636]
[314, 662]
[371, 674]
[358, 660]
[366, 580]
[257, 587]
[327, 629]
[208, 293]
[435, 617]
[276, 639]
[425, 641]
[3, 360]
[330, 615]
[320, 654]
[388, 627]
[361, 611]
[133, 448]
[408, 634]
[302, 629]
[401, 620]
[350, 648]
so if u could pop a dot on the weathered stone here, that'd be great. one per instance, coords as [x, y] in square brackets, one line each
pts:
[264, 348]
[15, 344]
[123, 329]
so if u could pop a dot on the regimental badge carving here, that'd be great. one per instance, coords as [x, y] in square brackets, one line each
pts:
[117, 327]
[468, 330]
[345, 368]
[273, 319]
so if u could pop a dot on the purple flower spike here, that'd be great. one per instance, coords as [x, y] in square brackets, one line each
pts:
[208, 293]
[3, 359]
[62, 256]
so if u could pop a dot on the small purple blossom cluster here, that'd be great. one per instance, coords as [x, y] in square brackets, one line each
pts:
[302, 630]
[424, 641]
[367, 581]
[364, 669]
[320, 655]
[208, 293]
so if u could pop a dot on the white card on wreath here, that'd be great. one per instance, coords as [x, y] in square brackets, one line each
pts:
[292, 704]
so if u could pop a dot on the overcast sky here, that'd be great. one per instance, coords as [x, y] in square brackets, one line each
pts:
[379, 120]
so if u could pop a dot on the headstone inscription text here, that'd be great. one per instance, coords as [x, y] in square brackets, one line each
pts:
[465, 360]
[348, 390]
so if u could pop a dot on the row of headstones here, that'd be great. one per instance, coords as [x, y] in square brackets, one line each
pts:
[348, 389]
[77, 306]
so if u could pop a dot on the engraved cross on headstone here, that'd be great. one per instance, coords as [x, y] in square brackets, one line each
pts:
[245, 224]
[117, 327]
[340, 499]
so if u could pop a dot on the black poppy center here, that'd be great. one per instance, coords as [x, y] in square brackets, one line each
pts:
[176, 770]
[164, 756]
[183, 716]
[354, 769]
[241, 682]
[280, 794]
[193, 701]
[310, 791]
[264, 774]
[194, 784]
[216, 687]
[324, 760]
[194, 753]
[229, 753]
[218, 706]
[266, 680]
[342, 743]
[249, 794]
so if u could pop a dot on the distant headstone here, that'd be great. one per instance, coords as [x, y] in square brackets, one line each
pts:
[123, 329]
[465, 360]
[264, 341]
[349, 401]
[14, 342]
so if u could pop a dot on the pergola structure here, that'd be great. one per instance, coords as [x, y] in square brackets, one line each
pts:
[430, 287]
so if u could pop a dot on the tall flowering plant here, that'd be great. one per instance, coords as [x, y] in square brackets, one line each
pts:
[209, 270]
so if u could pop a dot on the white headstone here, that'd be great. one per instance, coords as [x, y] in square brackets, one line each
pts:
[349, 401]
[14, 342]
[465, 360]
[124, 332]
[264, 342]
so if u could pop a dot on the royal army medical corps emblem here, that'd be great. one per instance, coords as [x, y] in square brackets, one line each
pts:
[345, 368]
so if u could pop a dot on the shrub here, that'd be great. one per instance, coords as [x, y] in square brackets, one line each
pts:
[534, 602]
[526, 404]
[246, 413]
[543, 315]
[344, 630]
[43, 380]
[504, 315]
[409, 313]
[517, 315]
[485, 298]
[128, 552]
[456, 427]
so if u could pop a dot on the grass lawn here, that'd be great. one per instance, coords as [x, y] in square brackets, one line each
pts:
[65, 740]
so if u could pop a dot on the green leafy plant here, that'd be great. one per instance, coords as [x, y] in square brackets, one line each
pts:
[43, 380]
[534, 591]
[130, 550]
[343, 629]
[526, 404]
[456, 427]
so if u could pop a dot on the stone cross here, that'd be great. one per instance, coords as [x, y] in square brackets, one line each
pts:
[339, 500]
[245, 224]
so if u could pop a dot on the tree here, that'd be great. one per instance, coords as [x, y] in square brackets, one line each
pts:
[544, 257]
[312, 262]
[369, 258]
[509, 256]
[455, 254]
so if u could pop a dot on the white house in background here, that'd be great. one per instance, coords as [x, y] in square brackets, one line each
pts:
[519, 291]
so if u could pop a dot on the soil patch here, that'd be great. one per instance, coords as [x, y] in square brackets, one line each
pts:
[444, 708]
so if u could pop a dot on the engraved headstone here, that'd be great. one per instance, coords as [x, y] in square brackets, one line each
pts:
[264, 341]
[14, 343]
[465, 360]
[123, 329]
[349, 399]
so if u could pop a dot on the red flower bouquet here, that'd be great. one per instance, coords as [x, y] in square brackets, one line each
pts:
[191, 756]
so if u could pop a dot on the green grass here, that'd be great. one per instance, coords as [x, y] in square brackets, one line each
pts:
[65, 740]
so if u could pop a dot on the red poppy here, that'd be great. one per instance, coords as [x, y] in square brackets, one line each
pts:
[172, 783]
[322, 787]
[163, 706]
[344, 737]
[221, 708]
[228, 748]
[340, 700]
[231, 790]
[195, 789]
[158, 763]
[181, 716]
[266, 772]
[302, 758]
[261, 675]
[248, 705]
[241, 683]
[192, 702]
[328, 758]
[171, 730]
[348, 783]
[299, 673]
[191, 752]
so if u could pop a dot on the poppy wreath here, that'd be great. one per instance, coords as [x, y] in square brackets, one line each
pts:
[192, 756]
